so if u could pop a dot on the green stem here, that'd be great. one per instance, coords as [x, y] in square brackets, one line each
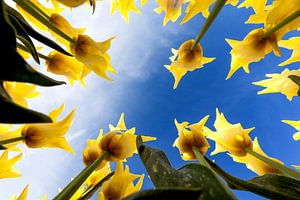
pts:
[212, 15]
[91, 190]
[22, 47]
[43, 20]
[200, 157]
[73, 186]
[12, 140]
[276, 165]
[281, 24]
[38, 9]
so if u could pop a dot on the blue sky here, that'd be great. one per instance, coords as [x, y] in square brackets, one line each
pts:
[142, 89]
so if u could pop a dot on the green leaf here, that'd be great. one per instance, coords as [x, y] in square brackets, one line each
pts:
[272, 186]
[13, 113]
[25, 39]
[2, 147]
[33, 33]
[166, 193]
[295, 79]
[189, 176]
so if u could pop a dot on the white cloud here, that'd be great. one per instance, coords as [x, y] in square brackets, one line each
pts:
[48, 169]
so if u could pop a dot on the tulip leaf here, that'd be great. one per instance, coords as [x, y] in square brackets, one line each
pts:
[13, 113]
[33, 33]
[22, 35]
[272, 186]
[295, 79]
[2, 147]
[166, 193]
[189, 176]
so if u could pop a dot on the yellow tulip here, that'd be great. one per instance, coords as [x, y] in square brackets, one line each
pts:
[280, 11]
[121, 184]
[172, 8]
[6, 132]
[120, 142]
[61, 64]
[91, 152]
[33, 20]
[252, 48]
[280, 83]
[257, 5]
[200, 6]
[296, 125]
[254, 164]
[20, 92]
[191, 136]
[124, 6]
[6, 169]
[292, 44]
[62, 24]
[93, 54]
[69, 3]
[229, 137]
[296, 166]
[187, 60]
[97, 176]
[22, 196]
[51, 135]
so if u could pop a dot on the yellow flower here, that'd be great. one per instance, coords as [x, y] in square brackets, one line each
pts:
[172, 8]
[92, 151]
[189, 136]
[124, 6]
[229, 137]
[257, 5]
[120, 142]
[292, 44]
[19, 92]
[121, 184]
[252, 48]
[33, 20]
[6, 132]
[51, 135]
[61, 64]
[93, 54]
[280, 11]
[200, 6]
[98, 175]
[187, 60]
[296, 125]
[22, 196]
[254, 164]
[62, 24]
[69, 3]
[6, 169]
[280, 83]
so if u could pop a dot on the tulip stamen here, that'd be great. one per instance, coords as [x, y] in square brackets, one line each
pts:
[212, 16]
[276, 165]
[281, 24]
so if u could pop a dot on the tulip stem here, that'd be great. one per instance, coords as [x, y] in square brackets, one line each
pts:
[24, 4]
[12, 140]
[22, 47]
[200, 157]
[91, 190]
[276, 165]
[73, 186]
[281, 24]
[212, 15]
